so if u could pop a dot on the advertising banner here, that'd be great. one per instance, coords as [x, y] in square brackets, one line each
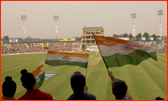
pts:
[13, 40]
[139, 38]
[142, 38]
[151, 38]
[147, 38]
[155, 38]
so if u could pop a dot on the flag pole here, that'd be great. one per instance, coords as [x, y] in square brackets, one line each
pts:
[86, 73]
[101, 54]
[86, 88]
[40, 66]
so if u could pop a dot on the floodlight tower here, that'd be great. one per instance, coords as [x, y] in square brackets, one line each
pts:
[23, 17]
[133, 15]
[56, 18]
[160, 13]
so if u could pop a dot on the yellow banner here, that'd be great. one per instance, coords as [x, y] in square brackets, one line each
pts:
[70, 39]
[67, 39]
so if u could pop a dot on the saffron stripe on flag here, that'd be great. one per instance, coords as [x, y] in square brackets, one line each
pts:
[69, 54]
[100, 40]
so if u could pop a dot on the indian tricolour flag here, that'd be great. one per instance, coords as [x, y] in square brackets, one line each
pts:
[64, 58]
[39, 76]
[117, 52]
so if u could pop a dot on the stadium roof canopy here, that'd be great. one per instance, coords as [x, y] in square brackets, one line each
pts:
[92, 28]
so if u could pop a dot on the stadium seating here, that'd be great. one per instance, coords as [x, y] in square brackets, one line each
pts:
[161, 47]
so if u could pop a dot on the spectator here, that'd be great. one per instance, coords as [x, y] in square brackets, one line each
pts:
[158, 98]
[8, 89]
[119, 88]
[28, 81]
[78, 82]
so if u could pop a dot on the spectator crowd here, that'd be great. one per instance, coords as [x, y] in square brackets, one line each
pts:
[39, 47]
[64, 46]
[77, 82]
[160, 46]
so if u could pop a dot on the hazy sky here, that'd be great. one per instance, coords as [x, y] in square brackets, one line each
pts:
[113, 16]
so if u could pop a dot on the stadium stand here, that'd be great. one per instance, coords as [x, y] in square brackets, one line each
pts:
[161, 46]
[39, 47]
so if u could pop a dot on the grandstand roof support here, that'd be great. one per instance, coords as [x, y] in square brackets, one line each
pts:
[23, 17]
[133, 15]
[160, 13]
[56, 18]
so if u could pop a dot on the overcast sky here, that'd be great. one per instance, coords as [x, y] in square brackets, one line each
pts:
[113, 16]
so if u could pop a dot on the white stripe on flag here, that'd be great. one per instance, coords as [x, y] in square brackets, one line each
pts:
[37, 77]
[124, 49]
[60, 57]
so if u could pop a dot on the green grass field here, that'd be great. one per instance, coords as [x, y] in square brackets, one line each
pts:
[146, 81]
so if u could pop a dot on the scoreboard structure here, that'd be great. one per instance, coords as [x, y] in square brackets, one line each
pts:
[87, 36]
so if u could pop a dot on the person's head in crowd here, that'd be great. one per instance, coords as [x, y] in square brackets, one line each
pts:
[78, 82]
[159, 98]
[8, 87]
[119, 88]
[28, 80]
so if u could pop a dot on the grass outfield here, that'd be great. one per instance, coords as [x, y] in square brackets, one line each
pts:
[145, 81]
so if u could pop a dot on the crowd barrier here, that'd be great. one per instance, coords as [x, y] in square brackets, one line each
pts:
[29, 53]
[22, 53]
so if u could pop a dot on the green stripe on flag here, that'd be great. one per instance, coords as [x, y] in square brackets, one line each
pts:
[41, 77]
[134, 58]
[59, 62]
